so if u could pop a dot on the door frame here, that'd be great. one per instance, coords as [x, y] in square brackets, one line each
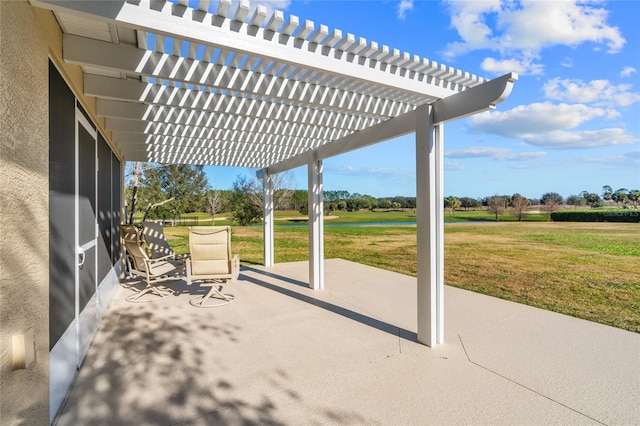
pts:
[87, 316]
[67, 354]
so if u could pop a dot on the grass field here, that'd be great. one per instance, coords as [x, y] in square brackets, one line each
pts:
[587, 270]
[407, 215]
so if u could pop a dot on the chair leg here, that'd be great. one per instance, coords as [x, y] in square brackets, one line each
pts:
[213, 298]
[149, 289]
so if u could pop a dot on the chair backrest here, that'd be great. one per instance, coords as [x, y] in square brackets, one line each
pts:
[153, 233]
[133, 245]
[210, 249]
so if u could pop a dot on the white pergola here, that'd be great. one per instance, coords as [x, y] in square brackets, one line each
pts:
[231, 84]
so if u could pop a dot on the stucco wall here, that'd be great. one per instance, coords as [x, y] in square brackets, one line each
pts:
[28, 38]
[24, 212]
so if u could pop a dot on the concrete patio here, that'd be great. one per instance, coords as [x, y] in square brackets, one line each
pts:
[285, 354]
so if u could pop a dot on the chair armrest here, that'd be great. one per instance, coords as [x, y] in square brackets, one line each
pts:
[161, 266]
[159, 259]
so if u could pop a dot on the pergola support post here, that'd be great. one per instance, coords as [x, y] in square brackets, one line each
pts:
[316, 226]
[267, 184]
[429, 220]
[439, 210]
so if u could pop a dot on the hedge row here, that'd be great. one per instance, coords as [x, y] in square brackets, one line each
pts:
[596, 216]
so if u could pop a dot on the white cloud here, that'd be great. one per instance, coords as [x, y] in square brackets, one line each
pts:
[599, 92]
[383, 171]
[547, 125]
[539, 24]
[477, 152]
[403, 7]
[348, 170]
[521, 29]
[560, 139]
[500, 154]
[273, 4]
[627, 71]
[567, 62]
[533, 118]
[631, 159]
[524, 156]
[503, 66]
[469, 19]
[612, 114]
[453, 165]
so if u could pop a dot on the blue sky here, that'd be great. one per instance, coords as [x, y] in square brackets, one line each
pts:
[572, 122]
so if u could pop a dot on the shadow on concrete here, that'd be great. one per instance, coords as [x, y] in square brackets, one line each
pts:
[347, 313]
[143, 368]
[168, 363]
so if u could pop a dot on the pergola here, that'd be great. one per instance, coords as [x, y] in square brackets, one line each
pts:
[231, 84]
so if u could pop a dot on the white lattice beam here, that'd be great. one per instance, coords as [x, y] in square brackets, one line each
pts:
[218, 31]
[231, 115]
[131, 60]
[471, 101]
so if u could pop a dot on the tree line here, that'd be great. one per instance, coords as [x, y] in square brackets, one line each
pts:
[168, 191]
[549, 202]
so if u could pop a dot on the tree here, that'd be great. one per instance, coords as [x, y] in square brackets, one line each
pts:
[496, 205]
[335, 196]
[357, 202]
[372, 201]
[187, 184]
[592, 199]
[385, 203]
[134, 191]
[520, 205]
[575, 200]
[452, 203]
[242, 201]
[215, 202]
[621, 196]
[150, 207]
[551, 201]
[634, 197]
[607, 192]
[299, 198]
[283, 184]
[282, 190]
[470, 203]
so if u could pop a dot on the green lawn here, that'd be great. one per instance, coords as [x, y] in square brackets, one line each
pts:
[588, 270]
[407, 215]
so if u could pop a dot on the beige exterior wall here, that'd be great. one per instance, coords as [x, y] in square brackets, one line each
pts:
[28, 38]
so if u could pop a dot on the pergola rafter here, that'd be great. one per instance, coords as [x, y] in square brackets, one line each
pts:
[222, 62]
[236, 85]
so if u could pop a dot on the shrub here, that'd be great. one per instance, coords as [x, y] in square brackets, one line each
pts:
[608, 215]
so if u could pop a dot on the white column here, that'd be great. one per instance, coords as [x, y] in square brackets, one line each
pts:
[316, 226]
[429, 215]
[439, 208]
[267, 184]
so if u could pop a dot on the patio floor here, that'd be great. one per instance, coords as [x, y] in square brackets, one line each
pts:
[285, 354]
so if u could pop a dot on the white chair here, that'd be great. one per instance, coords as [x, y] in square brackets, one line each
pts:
[211, 263]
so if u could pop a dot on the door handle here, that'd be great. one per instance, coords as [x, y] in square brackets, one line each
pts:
[81, 257]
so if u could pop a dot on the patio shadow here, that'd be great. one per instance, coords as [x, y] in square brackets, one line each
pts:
[339, 310]
[168, 363]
